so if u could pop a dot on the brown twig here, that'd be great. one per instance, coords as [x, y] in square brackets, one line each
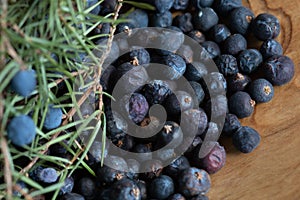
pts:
[22, 192]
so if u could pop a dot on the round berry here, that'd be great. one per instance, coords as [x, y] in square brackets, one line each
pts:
[249, 60]
[205, 19]
[53, 118]
[212, 49]
[125, 189]
[237, 82]
[246, 139]
[184, 22]
[21, 130]
[279, 70]
[240, 19]
[261, 90]
[219, 33]
[265, 26]
[241, 104]
[270, 48]
[234, 44]
[24, 82]
[161, 187]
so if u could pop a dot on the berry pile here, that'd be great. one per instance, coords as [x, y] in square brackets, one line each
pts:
[246, 77]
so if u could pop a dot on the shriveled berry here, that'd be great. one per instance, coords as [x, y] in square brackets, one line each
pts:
[212, 49]
[161, 19]
[238, 82]
[261, 90]
[125, 189]
[231, 124]
[156, 91]
[177, 66]
[214, 160]
[205, 18]
[241, 104]
[21, 130]
[53, 118]
[279, 70]
[184, 22]
[219, 33]
[193, 181]
[24, 82]
[116, 126]
[215, 84]
[180, 4]
[234, 44]
[137, 107]
[265, 26]
[270, 48]
[161, 187]
[249, 60]
[227, 65]
[246, 139]
[240, 20]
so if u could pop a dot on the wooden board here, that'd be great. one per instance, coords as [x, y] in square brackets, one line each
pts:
[273, 170]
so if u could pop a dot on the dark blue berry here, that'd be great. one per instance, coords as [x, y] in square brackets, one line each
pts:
[47, 175]
[212, 49]
[178, 102]
[146, 149]
[21, 130]
[161, 19]
[279, 70]
[193, 181]
[261, 90]
[265, 26]
[24, 82]
[238, 82]
[156, 92]
[163, 5]
[139, 55]
[87, 187]
[195, 71]
[105, 76]
[197, 35]
[240, 20]
[125, 189]
[227, 65]
[53, 118]
[143, 188]
[241, 104]
[177, 66]
[205, 19]
[223, 7]
[116, 126]
[133, 168]
[176, 167]
[139, 18]
[200, 197]
[217, 106]
[270, 48]
[161, 187]
[219, 33]
[231, 124]
[151, 168]
[234, 44]
[21, 185]
[249, 60]
[180, 4]
[184, 22]
[67, 187]
[246, 139]
[171, 132]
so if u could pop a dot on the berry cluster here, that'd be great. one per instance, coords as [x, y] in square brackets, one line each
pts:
[245, 78]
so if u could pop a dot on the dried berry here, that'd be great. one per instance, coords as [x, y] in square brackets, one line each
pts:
[246, 139]
[249, 60]
[265, 26]
[231, 124]
[161, 187]
[238, 82]
[241, 104]
[261, 90]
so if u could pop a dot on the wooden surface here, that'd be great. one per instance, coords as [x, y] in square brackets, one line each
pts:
[272, 171]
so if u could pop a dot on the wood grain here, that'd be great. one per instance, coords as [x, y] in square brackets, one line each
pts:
[272, 171]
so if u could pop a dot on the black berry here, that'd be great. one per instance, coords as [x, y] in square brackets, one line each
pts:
[261, 90]
[246, 139]
[241, 104]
